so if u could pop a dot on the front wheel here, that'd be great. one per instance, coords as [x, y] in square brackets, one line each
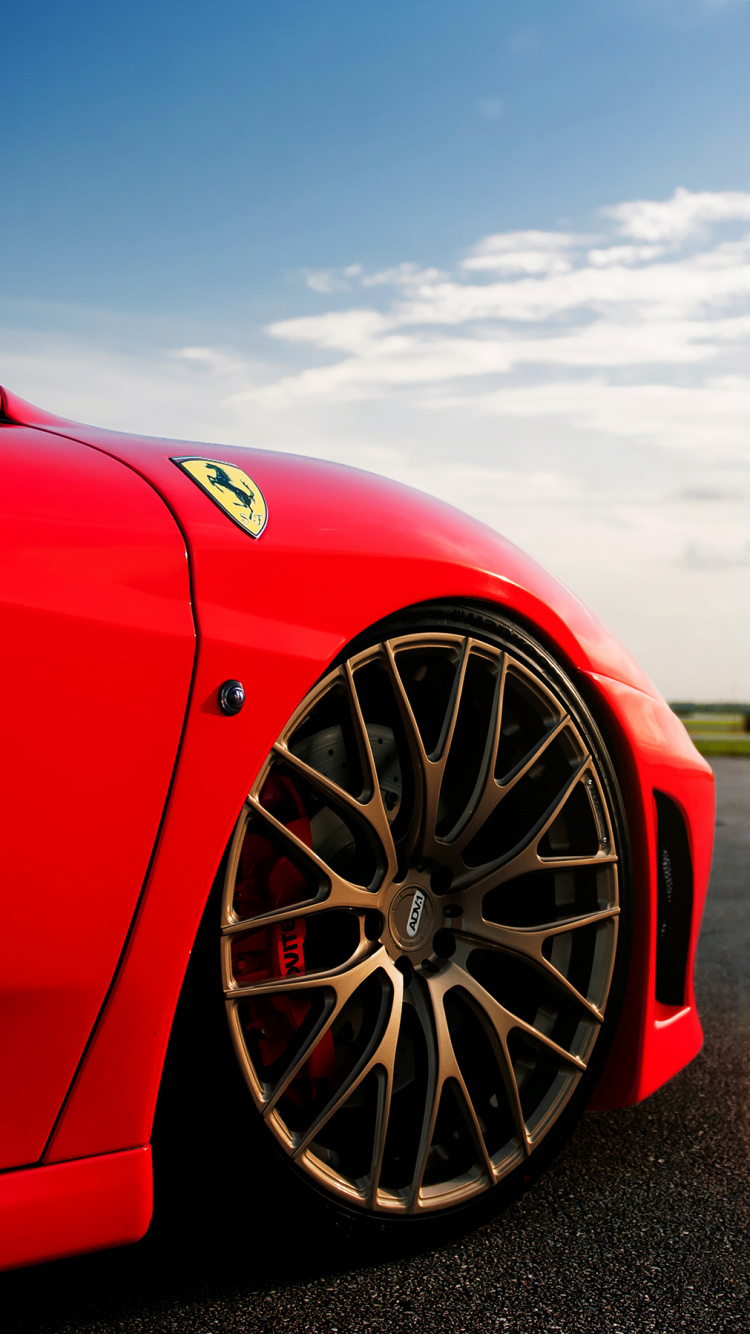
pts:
[420, 938]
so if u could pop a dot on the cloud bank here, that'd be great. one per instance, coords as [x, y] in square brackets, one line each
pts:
[642, 330]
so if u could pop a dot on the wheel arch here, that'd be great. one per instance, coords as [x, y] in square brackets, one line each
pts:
[97, 1117]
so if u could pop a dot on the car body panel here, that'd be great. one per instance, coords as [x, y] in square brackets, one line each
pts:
[342, 550]
[95, 674]
[47, 1213]
[654, 754]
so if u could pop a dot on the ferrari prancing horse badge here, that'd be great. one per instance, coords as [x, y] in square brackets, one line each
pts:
[231, 489]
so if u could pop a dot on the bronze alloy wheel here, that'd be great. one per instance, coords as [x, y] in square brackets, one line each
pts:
[420, 918]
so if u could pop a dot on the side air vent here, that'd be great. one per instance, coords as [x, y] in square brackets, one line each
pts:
[674, 902]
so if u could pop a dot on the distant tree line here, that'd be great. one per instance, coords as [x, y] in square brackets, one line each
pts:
[685, 707]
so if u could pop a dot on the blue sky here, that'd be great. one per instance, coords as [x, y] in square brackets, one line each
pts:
[416, 237]
[191, 153]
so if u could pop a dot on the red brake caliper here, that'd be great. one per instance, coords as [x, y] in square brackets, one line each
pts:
[268, 880]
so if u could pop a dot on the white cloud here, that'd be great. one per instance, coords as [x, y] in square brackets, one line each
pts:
[541, 249]
[326, 281]
[685, 214]
[704, 556]
[624, 254]
[491, 108]
[402, 275]
[707, 495]
[686, 419]
[213, 360]
[346, 330]
[520, 261]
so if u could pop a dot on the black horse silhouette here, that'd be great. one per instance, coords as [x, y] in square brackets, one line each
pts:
[222, 478]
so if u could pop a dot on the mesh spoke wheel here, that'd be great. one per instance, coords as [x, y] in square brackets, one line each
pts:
[420, 920]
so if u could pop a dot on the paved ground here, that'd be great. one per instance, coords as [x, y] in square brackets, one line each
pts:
[641, 1224]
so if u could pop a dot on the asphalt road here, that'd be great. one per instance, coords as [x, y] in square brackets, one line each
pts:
[640, 1225]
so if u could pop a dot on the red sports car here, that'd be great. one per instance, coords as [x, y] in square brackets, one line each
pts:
[339, 837]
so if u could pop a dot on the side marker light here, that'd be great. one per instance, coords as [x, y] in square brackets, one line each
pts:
[231, 697]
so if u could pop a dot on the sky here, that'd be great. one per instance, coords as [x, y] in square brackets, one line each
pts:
[500, 252]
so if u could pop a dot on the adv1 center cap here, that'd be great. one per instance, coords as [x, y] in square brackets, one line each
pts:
[412, 917]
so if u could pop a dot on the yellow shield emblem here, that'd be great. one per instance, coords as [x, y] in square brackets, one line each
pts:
[231, 489]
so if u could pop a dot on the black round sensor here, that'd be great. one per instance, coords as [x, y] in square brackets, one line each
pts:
[231, 697]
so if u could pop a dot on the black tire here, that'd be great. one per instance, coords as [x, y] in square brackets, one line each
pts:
[214, 1154]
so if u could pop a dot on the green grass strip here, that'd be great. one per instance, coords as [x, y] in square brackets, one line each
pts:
[720, 745]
